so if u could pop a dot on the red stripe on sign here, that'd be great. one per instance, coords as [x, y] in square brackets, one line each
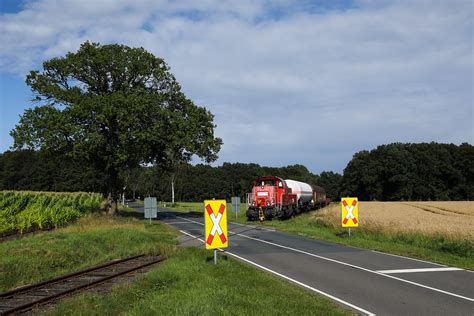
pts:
[209, 209]
[344, 202]
[222, 209]
[223, 239]
[345, 221]
[354, 220]
[209, 239]
[354, 203]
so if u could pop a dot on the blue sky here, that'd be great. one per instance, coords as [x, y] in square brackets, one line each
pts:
[308, 82]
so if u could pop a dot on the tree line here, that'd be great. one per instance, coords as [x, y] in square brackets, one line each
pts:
[428, 171]
[48, 171]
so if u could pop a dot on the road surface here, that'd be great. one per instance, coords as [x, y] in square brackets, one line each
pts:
[365, 281]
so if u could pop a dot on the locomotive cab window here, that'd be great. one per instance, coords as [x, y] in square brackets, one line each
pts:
[267, 182]
[280, 184]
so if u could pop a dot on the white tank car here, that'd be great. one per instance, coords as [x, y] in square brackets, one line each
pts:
[303, 191]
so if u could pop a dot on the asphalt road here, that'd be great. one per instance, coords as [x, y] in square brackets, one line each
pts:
[366, 281]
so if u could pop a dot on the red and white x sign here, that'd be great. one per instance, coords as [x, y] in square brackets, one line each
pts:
[216, 224]
[350, 212]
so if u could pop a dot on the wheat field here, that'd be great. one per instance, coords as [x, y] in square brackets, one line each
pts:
[452, 219]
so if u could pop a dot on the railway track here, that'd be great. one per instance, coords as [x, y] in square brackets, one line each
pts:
[28, 297]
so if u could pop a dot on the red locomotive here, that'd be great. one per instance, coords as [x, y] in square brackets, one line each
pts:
[273, 197]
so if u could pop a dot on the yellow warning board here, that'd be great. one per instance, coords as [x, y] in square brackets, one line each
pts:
[350, 212]
[215, 219]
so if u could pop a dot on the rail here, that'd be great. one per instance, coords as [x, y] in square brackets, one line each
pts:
[28, 297]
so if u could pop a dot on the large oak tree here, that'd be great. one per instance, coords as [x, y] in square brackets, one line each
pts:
[116, 107]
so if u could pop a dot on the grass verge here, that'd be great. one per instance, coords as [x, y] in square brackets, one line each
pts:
[435, 248]
[91, 240]
[190, 284]
[186, 283]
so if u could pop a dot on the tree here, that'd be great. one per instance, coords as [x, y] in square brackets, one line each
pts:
[115, 107]
[331, 182]
[426, 171]
[46, 171]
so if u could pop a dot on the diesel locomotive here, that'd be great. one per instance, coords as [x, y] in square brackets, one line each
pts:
[274, 197]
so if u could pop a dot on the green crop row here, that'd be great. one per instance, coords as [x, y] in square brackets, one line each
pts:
[27, 210]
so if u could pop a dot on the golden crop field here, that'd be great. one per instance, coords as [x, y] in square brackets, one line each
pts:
[452, 219]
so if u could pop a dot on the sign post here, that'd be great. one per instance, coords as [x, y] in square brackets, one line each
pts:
[150, 208]
[235, 205]
[215, 219]
[350, 212]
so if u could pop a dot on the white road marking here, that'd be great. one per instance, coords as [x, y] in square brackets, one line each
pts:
[290, 279]
[178, 223]
[195, 237]
[345, 264]
[420, 270]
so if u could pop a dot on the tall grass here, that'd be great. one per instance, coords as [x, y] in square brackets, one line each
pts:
[27, 210]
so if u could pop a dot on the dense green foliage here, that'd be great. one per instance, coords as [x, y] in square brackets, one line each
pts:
[24, 210]
[114, 107]
[47, 171]
[390, 172]
[411, 172]
[200, 182]
[30, 170]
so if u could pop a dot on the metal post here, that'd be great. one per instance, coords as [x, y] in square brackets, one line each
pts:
[215, 256]
[349, 231]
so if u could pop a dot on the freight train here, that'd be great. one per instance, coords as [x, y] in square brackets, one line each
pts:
[273, 197]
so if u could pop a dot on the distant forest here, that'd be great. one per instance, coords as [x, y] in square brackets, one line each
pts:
[427, 171]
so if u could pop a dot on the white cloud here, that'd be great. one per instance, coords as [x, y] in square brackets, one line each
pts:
[303, 87]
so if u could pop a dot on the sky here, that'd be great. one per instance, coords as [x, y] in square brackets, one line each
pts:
[289, 82]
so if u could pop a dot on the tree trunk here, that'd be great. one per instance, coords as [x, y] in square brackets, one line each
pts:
[112, 207]
[172, 189]
[114, 192]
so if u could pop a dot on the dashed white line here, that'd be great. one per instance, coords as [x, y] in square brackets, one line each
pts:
[344, 263]
[420, 270]
[178, 223]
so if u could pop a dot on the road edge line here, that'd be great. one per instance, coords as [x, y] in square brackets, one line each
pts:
[289, 279]
[348, 264]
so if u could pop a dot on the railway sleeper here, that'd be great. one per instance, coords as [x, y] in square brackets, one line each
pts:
[26, 298]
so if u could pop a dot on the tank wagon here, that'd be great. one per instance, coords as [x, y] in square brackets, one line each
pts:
[274, 197]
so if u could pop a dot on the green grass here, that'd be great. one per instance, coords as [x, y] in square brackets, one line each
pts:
[28, 210]
[91, 240]
[185, 284]
[452, 252]
[190, 284]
